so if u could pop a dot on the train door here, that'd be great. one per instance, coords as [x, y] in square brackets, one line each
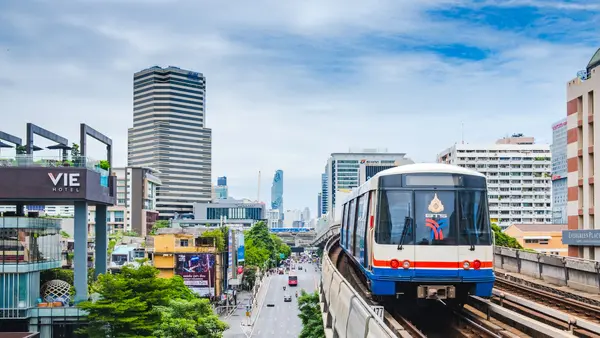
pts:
[361, 223]
[436, 246]
[351, 227]
[369, 222]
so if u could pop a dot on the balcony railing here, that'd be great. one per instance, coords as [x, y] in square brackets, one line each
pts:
[51, 162]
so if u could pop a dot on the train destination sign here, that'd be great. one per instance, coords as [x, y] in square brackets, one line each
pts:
[581, 237]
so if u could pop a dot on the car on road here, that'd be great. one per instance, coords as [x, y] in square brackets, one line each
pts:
[287, 298]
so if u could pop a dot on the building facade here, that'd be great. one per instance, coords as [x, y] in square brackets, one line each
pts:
[221, 191]
[277, 191]
[324, 195]
[584, 233]
[169, 134]
[518, 173]
[559, 172]
[343, 170]
[543, 238]
[229, 211]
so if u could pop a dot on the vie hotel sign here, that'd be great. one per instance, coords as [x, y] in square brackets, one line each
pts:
[581, 237]
[65, 182]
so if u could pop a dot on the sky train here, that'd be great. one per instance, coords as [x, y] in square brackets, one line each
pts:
[421, 231]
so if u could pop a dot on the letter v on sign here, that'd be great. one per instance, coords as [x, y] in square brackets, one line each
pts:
[56, 179]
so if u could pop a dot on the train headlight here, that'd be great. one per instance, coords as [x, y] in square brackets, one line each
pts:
[395, 264]
[466, 265]
[477, 264]
[406, 264]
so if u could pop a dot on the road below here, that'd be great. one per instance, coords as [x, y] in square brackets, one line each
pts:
[282, 319]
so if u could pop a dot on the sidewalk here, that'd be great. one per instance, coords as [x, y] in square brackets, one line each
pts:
[238, 322]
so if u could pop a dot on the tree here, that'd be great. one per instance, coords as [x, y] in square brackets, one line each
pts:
[310, 314]
[189, 318]
[134, 303]
[280, 248]
[20, 150]
[502, 239]
[159, 225]
[217, 234]
[255, 254]
[104, 164]
[75, 152]
[249, 276]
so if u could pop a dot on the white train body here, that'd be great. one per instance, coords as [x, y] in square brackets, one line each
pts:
[421, 231]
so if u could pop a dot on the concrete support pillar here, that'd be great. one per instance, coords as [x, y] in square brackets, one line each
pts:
[81, 255]
[20, 209]
[101, 230]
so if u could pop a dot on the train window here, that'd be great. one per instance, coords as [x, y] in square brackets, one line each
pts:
[394, 207]
[344, 224]
[435, 218]
[360, 225]
[351, 226]
[474, 228]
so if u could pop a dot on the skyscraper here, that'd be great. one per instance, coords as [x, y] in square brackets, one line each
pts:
[221, 190]
[324, 196]
[169, 134]
[277, 191]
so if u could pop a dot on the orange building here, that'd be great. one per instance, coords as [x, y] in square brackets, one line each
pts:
[195, 258]
[543, 238]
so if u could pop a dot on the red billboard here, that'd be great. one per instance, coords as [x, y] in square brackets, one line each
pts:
[198, 272]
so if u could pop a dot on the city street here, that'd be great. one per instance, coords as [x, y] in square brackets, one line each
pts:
[282, 319]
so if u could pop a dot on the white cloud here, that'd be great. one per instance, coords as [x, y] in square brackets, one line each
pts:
[286, 84]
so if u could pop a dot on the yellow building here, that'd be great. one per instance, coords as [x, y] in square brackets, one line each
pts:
[543, 238]
[195, 258]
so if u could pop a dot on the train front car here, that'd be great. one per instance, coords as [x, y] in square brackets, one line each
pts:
[429, 235]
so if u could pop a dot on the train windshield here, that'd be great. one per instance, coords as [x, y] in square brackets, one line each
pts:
[433, 217]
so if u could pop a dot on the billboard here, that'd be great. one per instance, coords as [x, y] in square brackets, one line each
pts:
[240, 247]
[230, 255]
[198, 272]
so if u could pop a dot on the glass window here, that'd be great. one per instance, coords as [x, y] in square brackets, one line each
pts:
[435, 218]
[351, 225]
[394, 208]
[345, 225]
[474, 220]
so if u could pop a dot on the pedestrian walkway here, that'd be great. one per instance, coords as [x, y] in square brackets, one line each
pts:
[240, 325]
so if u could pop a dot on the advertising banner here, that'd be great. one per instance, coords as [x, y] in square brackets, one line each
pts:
[240, 247]
[198, 272]
[230, 255]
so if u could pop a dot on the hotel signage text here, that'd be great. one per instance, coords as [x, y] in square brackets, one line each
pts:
[65, 182]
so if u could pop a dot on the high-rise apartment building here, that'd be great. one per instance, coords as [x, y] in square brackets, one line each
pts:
[277, 191]
[169, 134]
[306, 215]
[323, 197]
[343, 170]
[518, 175]
[583, 236]
[559, 172]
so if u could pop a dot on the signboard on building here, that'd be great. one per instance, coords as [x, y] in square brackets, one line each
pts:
[581, 237]
[198, 272]
[240, 247]
[230, 255]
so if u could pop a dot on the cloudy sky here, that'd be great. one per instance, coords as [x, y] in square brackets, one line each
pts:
[289, 82]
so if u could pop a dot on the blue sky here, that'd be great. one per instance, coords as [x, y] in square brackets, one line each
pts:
[289, 82]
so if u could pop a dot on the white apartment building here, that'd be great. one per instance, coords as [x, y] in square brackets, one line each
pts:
[518, 175]
[343, 170]
[273, 218]
[291, 218]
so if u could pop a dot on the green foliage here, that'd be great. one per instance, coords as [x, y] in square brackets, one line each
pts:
[64, 234]
[130, 234]
[60, 274]
[310, 314]
[260, 249]
[280, 248]
[250, 276]
[159, 225]
[189, 318]
[502, 239]
[217, 234]
[136, 303]
[20, 150]
[255, 254]
[75, 151]
[104, 165]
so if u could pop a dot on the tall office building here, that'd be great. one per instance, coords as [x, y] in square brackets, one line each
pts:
[221, 191]
[559, 172]
[306, 215]
[343, 170]
[324, 195]
[582, 163]
[169, 134]
[319, 205]
[277, 191]
[518, 175]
